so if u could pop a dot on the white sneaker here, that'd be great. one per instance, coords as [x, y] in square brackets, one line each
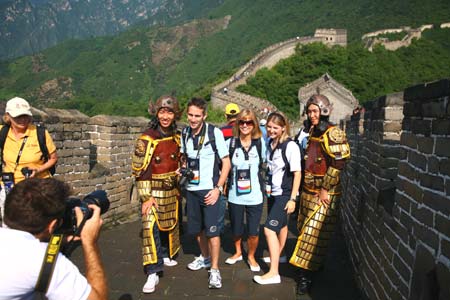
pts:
[215, 281]
[272, 280]
[169, 262]
[199, 263]
[283, 259]
[150, 284]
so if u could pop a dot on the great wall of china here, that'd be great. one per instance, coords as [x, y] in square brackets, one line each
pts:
[225, 92]
[396, 198]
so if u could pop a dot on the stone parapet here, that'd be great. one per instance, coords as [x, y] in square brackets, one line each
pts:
[397, 194]
[95, 153]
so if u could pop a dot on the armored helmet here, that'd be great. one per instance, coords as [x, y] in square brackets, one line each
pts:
[322, 102]
[165, 101]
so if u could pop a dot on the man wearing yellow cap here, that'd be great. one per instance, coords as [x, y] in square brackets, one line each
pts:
[231, 112]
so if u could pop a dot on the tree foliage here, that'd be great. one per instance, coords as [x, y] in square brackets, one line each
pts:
[366, 74]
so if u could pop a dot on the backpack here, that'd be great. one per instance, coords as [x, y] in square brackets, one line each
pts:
[288, 176]
[41, 140]
[302, 147]
[235, 143]
[283, 147]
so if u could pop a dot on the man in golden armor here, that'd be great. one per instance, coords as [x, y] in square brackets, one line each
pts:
[326, 153]
[154, 162]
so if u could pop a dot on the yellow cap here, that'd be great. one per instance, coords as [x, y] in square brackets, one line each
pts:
[232, 109]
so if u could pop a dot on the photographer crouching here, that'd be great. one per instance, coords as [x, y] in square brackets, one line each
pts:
[34, 210]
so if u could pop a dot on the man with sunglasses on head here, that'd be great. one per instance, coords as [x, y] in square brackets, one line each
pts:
[33, 211]
[206, 158]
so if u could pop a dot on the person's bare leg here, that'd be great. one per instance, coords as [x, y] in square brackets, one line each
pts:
[252, 242]
[214, 248]
[203, 244]
[238, 246]
[282, 237]
[274, 251]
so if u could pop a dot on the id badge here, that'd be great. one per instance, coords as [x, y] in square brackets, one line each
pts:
[244, 184]
[194, 166]
[8, 181]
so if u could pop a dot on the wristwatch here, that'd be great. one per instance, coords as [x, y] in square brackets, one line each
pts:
[220, 188]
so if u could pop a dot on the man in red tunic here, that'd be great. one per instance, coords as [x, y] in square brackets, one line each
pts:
[326, 152]
[154, 162]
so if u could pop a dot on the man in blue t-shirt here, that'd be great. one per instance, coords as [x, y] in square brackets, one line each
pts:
[206, 158]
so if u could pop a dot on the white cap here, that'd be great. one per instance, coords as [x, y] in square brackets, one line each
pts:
[262, 122]
[17, 106]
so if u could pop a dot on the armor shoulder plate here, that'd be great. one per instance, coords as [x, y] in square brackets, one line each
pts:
[141, 155]
[335, 143]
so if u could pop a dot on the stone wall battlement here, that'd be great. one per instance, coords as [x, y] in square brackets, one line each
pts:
[396, 207]
[95, 153]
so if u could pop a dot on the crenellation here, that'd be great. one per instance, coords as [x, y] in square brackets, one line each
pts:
[421, 127]
[424, 215]
[442, 148]
[432, 182]
[436, 201]
[428, 91]
[406, 253]
[417, 159]
[440, 127]
[405, 144]
[402, 268]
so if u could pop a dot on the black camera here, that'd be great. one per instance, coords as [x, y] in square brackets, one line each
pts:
[69, 224]
[186, 176]
[26, 172]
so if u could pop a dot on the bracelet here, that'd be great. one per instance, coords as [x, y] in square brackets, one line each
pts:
[293, 199]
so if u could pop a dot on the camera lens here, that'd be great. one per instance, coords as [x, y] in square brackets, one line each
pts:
[98, 198]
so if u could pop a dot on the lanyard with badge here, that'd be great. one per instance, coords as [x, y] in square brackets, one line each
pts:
[8, 177]
[194, 163]
[243, 178]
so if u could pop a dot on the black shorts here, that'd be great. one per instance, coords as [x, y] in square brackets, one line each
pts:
[201, 216]
[277, 215]
[252, 216]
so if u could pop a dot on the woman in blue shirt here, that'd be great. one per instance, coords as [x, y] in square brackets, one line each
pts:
[247, 149]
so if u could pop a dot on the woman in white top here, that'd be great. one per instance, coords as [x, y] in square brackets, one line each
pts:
[245, 197]
[284, 173]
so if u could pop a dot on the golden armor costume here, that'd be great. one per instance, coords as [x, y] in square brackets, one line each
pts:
[325, 157]
[154, 162]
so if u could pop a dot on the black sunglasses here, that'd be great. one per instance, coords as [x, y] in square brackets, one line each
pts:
[248, 123]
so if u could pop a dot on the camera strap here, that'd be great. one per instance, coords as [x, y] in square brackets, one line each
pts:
[197, 147]
[48, 264]
[20, 152]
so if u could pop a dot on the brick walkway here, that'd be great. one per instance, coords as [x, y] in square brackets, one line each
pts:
[121, 248]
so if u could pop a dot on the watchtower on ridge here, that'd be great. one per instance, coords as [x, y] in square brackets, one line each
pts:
[332, 36]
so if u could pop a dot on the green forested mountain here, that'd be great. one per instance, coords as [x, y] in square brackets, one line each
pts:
[28, 26]
[117, 75]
